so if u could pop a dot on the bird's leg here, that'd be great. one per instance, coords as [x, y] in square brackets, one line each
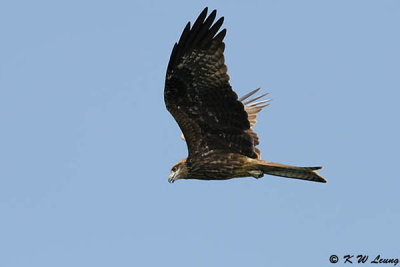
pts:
[256, 173]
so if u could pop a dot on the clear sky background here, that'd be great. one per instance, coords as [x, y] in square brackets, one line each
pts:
[86, 143]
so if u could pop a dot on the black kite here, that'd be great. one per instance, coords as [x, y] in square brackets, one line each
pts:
[217, 126]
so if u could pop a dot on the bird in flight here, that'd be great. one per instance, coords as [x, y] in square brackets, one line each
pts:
[216, 124]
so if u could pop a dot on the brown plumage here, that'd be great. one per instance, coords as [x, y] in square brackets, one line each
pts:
[216, 125]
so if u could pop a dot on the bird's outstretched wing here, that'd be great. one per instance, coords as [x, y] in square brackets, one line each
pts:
[198, 94]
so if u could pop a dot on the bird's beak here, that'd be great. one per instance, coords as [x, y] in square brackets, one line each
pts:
[171, 177]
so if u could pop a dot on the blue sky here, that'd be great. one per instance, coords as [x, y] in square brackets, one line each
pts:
[87, 144]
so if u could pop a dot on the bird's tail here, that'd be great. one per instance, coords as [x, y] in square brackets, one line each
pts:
[303, 173]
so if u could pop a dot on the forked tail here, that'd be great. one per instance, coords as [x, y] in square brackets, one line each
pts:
[303, 173]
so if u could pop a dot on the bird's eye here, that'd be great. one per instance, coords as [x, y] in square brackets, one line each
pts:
[174, 169]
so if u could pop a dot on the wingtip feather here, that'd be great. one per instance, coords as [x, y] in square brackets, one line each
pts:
[249, 94]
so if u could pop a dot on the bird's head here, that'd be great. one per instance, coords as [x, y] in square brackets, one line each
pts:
[178, 171]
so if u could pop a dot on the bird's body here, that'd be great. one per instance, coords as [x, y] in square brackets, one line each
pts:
[216, 125]
[219, 166]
